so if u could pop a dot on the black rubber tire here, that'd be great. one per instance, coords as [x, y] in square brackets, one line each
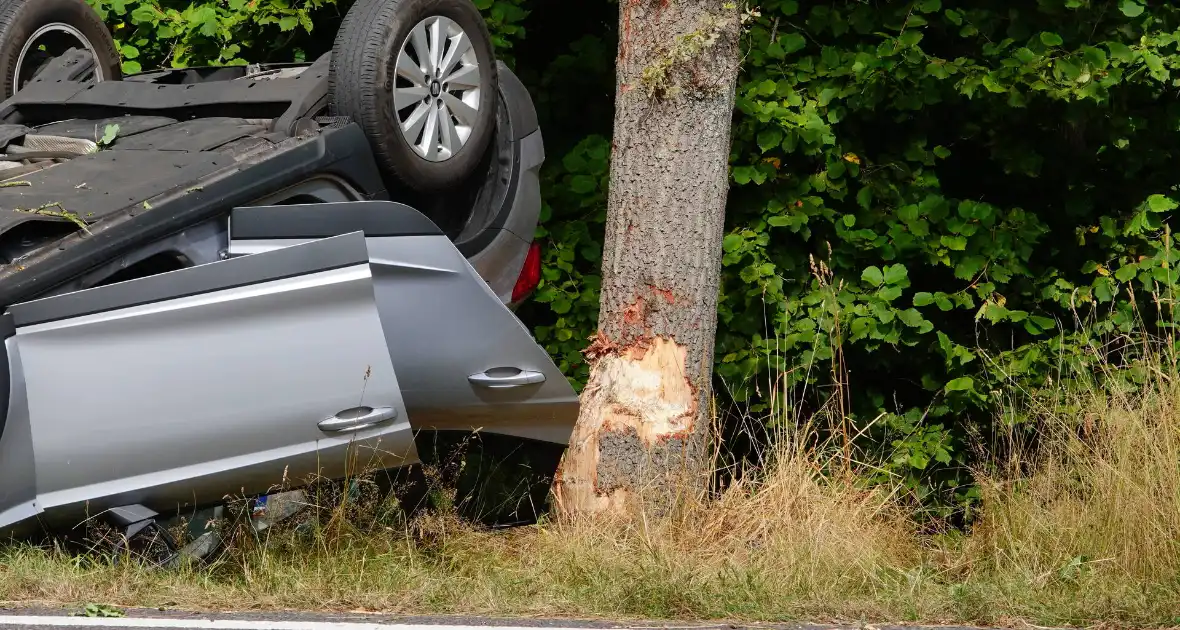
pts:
[19, 19]
[361, 80]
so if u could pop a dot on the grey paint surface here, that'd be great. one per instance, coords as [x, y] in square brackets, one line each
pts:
[500, 262]
[191, 398]
[443, 324]
[322, 255]
[18, 492]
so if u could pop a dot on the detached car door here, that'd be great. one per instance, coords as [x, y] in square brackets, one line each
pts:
[464, 360]
[218, 380]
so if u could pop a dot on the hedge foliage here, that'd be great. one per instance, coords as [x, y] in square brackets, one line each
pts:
[937, 206]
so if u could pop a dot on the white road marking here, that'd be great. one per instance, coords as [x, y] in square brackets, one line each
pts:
[232, 624]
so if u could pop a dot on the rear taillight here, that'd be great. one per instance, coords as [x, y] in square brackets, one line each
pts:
[530, 274]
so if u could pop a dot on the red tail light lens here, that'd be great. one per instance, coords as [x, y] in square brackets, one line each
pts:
[530, 274]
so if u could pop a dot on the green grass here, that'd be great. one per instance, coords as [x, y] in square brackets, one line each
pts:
[1089, 533]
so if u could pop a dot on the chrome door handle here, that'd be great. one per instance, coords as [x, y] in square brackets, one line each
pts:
[501, 378]
[357, 418]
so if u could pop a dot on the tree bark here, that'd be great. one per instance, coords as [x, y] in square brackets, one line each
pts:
[645, 419]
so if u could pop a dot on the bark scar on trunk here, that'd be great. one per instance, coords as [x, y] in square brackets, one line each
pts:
[649, 391]
[643, 388]
[636, 313]
[664, 293]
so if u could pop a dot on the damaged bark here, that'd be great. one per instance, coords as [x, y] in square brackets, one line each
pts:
[644, 422]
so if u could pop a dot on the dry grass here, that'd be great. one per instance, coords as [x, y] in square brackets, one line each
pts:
[1091, 534]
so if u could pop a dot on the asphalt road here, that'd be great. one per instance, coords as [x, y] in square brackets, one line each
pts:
[45, 619]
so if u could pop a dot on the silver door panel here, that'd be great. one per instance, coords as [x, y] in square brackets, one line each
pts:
[181, 401]
[443, 325]
[18, 488]
[454, 327]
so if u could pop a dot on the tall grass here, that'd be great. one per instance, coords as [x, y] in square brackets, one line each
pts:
[1085, 530]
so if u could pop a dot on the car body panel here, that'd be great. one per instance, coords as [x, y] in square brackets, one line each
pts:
[208, 380]
[443, 323]
[18, 487]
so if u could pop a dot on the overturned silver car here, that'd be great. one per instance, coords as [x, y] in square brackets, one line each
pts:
[217, 279]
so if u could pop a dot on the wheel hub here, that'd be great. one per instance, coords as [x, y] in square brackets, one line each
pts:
[436, 90]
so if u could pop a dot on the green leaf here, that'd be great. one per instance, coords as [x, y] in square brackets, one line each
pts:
[1131, 8]
[1051, 39]
[954, 242]
[288, 23]
[961, 384]
[889, 293]
[954, 17]
[873, 276]
[732, 242]
[1119, 51]
[909, 39]
[744, 174]
[922, 298]
[911, 317]
[145, 14]
[792, 42]
[864, 197]
[1155, 64]
[108, 135]
[895, 274]
[1044, 323]
[1126, 272]
[583, 184]
[942, 152]
[769, 138]
[849, 220]
[1024, 55]
[1160, 203]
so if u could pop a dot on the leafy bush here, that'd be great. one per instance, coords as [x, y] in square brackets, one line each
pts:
[182, 33]
[936, 205]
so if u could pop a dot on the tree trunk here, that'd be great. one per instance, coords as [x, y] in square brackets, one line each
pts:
[645, 418]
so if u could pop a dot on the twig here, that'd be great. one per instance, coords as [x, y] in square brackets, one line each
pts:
[60, 213]
[15, 184]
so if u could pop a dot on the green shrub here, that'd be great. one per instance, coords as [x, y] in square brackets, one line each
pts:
[936, 206]
[933, 208]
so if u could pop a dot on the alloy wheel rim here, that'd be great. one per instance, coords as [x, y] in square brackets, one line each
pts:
[47, 43]
[436, 89]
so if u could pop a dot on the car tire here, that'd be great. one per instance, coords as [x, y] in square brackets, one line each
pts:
[450, 122]
[26, 25]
